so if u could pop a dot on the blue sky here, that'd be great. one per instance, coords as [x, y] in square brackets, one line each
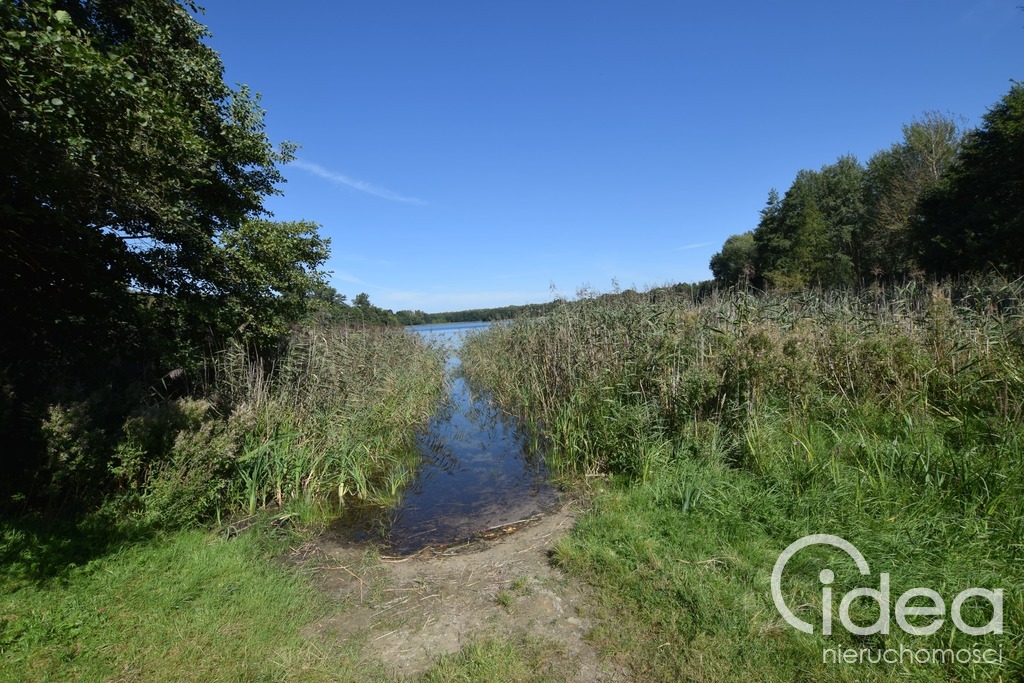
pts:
[477, 153]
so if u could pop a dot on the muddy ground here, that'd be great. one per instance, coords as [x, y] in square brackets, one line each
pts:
[408, 611]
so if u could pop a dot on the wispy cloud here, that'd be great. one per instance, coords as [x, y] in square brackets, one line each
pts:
[361, 185]
[342, 276]
[696, 245]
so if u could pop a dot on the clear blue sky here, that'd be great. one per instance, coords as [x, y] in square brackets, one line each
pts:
[473, 153]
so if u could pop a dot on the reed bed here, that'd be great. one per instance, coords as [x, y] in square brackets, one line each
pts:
[333, 418]
[890, 416]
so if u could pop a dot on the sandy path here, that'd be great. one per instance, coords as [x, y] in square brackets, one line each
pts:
[409, 611]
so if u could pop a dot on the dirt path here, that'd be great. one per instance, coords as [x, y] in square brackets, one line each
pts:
[409, 611]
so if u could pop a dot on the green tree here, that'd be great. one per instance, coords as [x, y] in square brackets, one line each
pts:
[407, 317]
[127, 160]
[323, 295]
[840, 197]
[132, 223]
[270, 271]
[769, 239]
[790, 236]
[812, 235]
[737, 261]
[974, 217]
[896, 180]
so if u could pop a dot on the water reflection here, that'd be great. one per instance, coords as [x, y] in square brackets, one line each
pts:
[475, 473]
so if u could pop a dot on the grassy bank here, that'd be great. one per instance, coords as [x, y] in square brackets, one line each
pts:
[733, 426]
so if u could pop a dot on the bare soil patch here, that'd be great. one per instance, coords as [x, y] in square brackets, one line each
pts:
[409, 611]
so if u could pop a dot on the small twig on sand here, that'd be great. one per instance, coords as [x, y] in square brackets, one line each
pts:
[362, 584]
[352, 573]
[394, 560]
[513, 525]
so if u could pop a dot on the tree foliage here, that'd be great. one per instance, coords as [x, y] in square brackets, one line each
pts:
[737, 260]
[897, 178]
[269, 271]
[330, 306]
[128, 163]
[132, 225]
[939, 201]
[810, 235]
[407, 317]
[974, 218]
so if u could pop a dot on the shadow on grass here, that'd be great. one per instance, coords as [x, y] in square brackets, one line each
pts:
[37, 550]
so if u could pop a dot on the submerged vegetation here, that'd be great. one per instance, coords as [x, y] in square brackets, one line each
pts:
[732, 425]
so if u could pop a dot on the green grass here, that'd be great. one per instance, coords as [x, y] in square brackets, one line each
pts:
[137, 592]
[713, 434]
[98, 602]
[733, 426]
[505, 599]
[696, 575]
[335, 419]
[496, 660]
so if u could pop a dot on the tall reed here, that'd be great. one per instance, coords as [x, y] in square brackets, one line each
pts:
[332, 417]
[954, 353]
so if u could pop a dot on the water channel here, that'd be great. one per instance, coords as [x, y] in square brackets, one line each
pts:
[475, 473]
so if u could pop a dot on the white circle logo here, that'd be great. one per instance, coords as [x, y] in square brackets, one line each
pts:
[903, 608]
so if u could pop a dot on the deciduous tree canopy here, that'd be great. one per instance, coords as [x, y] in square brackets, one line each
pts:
[132, 225]
[128, 164]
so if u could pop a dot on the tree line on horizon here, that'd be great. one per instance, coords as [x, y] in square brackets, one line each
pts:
[943, 201]
[328, 305]
[470, 315]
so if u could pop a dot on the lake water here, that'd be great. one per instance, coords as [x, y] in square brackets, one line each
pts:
[475, 473]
